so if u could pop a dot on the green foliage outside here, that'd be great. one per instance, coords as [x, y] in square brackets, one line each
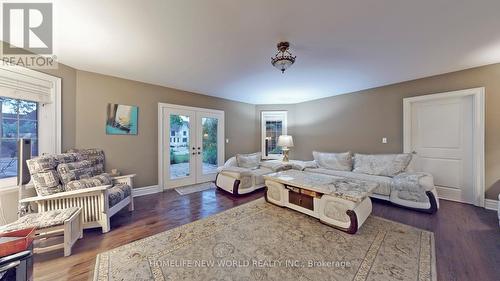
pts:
[210, 141]
[175, 122]
[178, 158]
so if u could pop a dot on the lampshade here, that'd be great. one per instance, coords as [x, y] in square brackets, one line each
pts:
[285, 141]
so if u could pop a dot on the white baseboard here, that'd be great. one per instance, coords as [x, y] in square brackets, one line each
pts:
[141, 191]
[491, 204]
[450, 194]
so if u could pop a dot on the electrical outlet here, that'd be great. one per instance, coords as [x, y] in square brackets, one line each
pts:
[227, 140]
[384, 140]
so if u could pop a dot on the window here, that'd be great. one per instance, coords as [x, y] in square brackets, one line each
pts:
[172, 133]
[184, 133]
[184, 139]
[30, 108]
[18, 119]
[273, 124]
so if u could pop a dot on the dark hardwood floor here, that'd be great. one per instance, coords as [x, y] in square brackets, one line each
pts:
[467, 238]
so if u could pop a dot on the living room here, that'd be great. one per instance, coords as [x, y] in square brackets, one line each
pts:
[250, 141]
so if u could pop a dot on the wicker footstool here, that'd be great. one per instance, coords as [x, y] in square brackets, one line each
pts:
[66, 222]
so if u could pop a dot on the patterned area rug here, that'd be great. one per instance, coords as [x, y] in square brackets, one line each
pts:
[260, 241]
[194, 188]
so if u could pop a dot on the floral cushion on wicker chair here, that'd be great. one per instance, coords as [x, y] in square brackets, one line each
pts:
[95, 156]
[40, 220]
[117, 193]
[47, 183]
[74, 171]
[100, 180]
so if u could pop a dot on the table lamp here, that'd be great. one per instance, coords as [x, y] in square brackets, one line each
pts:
[285, 141]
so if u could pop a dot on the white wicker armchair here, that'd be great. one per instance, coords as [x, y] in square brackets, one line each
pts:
[94, 202]
[98, 203]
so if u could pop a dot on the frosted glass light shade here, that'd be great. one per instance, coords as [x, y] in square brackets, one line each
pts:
[285, 141]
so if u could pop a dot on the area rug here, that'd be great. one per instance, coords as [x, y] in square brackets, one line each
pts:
[260, 241]
[195, 188]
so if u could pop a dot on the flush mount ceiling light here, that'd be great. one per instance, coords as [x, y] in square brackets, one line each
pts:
[283, 58]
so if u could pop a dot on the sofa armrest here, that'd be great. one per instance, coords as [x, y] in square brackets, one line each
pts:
[125, 179]
[66, 194]
[231, 162]
[425, 180]
[236, 172]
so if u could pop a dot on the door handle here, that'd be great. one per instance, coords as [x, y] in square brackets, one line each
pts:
[199, 153]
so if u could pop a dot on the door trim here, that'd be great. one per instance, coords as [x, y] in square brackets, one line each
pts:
[478, 128]
[161, 133]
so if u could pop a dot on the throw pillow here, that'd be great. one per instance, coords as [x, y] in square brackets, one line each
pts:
[334, 161]
[47, 183]
[100, 180]
[249, 161]
[387, 165]
[41, 164]
[74, 171]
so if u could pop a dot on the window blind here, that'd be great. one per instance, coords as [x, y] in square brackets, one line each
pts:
[21, 86]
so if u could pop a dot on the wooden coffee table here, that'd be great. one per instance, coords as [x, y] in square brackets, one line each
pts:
[339, 202]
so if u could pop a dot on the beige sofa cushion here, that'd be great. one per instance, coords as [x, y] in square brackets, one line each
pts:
[249, 161]
[381, 164]
[334, 161]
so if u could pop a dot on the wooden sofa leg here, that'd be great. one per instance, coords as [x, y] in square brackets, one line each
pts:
[106, 226]
[131, 204]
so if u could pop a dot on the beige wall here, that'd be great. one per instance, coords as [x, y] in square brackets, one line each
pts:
[139, 154]
[358, 121]
[355, 121]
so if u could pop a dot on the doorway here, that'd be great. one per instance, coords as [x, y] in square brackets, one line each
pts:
[445, 134]
[191, 144]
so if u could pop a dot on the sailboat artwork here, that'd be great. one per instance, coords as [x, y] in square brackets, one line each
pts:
[121, 119]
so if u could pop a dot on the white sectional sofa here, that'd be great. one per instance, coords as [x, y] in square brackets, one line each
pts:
[414, 190]
[244, 173]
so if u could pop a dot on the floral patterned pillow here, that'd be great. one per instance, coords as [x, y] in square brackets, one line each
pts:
[47, 183]
[74, 171]
[100, 180]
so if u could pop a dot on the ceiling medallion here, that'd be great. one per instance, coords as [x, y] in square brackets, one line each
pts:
[283, 58]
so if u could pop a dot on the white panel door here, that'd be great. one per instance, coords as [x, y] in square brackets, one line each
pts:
[441, 141]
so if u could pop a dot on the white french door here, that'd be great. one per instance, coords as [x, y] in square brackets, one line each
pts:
[192, 144]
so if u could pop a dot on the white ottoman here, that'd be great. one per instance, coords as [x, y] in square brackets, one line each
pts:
[65, 222]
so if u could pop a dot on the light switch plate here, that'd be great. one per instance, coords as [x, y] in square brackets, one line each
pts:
[227, 140]
[384, 140]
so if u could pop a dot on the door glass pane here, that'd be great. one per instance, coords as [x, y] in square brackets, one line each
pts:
[209, 141]
[273, 131]
[179, 146]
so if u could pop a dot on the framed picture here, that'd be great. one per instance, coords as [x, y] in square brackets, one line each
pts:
[121, 119]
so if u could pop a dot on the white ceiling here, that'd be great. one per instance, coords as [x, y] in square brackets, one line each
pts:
[223, 47]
